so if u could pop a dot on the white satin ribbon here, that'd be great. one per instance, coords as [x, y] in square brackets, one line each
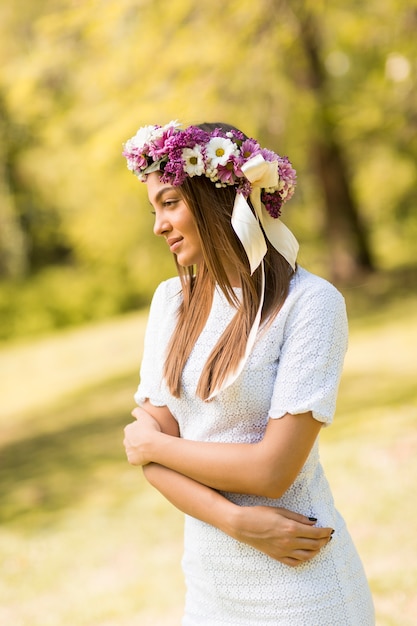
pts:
[262, 175]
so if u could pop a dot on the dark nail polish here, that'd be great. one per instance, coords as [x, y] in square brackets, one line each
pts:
[313, 519]
[332, 532]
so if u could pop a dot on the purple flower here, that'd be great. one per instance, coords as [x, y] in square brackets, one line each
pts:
[226, 173]
[249, 148]
[286, 171]
[272, 202]
[268, 155]
[173, 170]
[244, 187]
[161, 145]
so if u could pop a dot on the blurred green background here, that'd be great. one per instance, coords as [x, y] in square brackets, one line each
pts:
[83, 540]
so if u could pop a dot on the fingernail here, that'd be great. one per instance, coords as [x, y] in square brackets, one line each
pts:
[313, 519]
[332, 532]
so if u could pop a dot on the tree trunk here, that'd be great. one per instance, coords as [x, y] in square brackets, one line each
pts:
[13, 248]
[349, 247]
[348, 243]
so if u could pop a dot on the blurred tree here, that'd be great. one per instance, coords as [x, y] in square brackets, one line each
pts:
[345, 232]
[13, 249]
[31, 236]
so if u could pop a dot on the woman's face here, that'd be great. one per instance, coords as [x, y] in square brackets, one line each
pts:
[174, 221]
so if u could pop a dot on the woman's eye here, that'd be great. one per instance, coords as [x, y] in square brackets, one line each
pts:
[169, 203]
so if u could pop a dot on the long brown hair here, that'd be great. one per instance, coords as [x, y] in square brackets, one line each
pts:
[212, 209]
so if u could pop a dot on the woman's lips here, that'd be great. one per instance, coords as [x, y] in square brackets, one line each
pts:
[174, 243]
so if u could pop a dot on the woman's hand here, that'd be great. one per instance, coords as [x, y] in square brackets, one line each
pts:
[138, 435]
[283, 535]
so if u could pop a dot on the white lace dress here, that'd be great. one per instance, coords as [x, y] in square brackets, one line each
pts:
[294, 367]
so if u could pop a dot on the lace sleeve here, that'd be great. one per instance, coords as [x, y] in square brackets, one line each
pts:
[312, 355]
[156, 338]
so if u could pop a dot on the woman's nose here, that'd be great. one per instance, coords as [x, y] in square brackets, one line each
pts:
[161, 224]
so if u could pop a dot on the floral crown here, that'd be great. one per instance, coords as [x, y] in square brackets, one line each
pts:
[219, 155]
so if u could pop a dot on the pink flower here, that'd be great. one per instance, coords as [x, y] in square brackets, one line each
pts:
[226, 173]
[161, 145]
[249, 148]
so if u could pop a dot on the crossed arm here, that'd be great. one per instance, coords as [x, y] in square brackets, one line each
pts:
[189, 473]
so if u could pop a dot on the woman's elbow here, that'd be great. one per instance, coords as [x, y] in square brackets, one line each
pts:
[272, 491]
[150, 471]
[272, 487]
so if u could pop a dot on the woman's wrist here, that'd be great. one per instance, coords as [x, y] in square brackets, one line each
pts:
[232, 520]
[248, 523]
[151, 445]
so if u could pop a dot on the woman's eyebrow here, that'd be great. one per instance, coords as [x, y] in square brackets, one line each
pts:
[162, 191]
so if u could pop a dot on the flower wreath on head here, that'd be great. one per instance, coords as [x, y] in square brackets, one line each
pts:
[219, 155]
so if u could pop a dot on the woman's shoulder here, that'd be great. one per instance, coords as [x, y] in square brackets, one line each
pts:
[170, 285]
[310, 291]
[168, 290]
[304, 282]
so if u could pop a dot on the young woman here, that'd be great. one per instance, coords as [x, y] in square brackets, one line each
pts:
[241, 366]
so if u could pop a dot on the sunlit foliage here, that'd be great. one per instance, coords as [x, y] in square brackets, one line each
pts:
[78, 78]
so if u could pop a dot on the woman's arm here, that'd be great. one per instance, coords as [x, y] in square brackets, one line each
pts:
[267, 468]
[283, 535]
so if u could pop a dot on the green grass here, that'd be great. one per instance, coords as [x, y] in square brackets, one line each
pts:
[85, 541]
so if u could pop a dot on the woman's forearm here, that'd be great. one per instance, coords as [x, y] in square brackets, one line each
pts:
[265, 468]
[283, 535]
[221, 466]
[193, 498]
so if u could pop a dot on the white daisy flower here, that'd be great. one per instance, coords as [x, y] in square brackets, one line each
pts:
[142, 137]
[193, 161]
[219, 150]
